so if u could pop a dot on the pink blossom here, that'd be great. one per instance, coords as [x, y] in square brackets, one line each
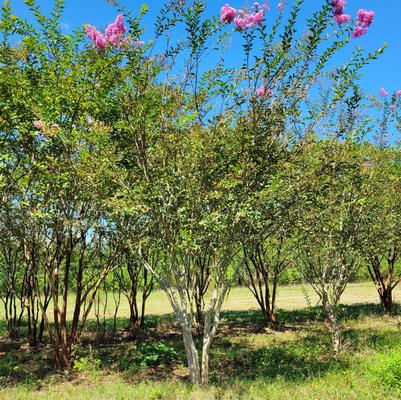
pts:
[113, 39]
[392, 107]
[92, 32]
[119, 22]
[281, 5]
[262, 92]
[383, 92]
[246, 21]
[339, 16]
[113, 35]
[398, 93]
[365, 18]
[55, 126]
[339, 6]
[359, 31]
[239, 23]
[342, 19]
[38, 124]
[338, 3]
[94, 35]
[338, 11]
[139, 43]
[115, 31]
[227, 14]
[243, 22]
[101, 43]
[116, 28]
[259, 17]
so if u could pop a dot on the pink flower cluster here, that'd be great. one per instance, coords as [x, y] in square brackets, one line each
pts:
[384, 93]
[263, 92]
[227, 14]
[40, 125]
[114, 34]
[339, 8]
[243, 20]
[364, 20]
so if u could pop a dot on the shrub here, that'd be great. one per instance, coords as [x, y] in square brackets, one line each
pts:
[88, 363]
[154, 354]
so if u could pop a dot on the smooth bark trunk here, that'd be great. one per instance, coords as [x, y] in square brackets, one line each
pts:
[334, 326]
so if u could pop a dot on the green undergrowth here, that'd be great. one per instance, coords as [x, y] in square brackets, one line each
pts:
[247, 362]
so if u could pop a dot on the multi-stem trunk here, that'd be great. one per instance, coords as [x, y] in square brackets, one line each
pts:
[201, 277]
[198, 369]
[261, 277]
[384, 282]
[181, 302]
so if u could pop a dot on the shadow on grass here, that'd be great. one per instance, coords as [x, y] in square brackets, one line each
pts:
[299, 360]
[157, 351]
[252, 320]
[24, 365]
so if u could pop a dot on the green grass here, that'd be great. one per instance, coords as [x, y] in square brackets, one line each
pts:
[247, 362]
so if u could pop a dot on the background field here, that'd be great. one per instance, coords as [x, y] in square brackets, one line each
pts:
[240, 299]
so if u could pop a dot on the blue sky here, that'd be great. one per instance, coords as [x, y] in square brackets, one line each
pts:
[385, 72]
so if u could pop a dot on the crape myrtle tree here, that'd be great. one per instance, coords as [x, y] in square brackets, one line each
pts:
[380, 242]
[381, 238]
[135, 280]
[330, 220]
[280, 67]
[195, 136]
[58, 161]
[178, 177]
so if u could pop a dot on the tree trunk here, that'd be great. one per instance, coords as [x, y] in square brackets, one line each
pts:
[133, 315]
[334, 326]
[142, 320]
[386, 298]
[65, 353]
[205, 360]
[270, 318]
[385, 281]
[192, 356]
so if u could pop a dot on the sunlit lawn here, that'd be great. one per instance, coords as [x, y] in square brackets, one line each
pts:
[289, 298]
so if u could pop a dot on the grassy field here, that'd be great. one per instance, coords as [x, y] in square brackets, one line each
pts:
[240, 299]
[247, 362]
